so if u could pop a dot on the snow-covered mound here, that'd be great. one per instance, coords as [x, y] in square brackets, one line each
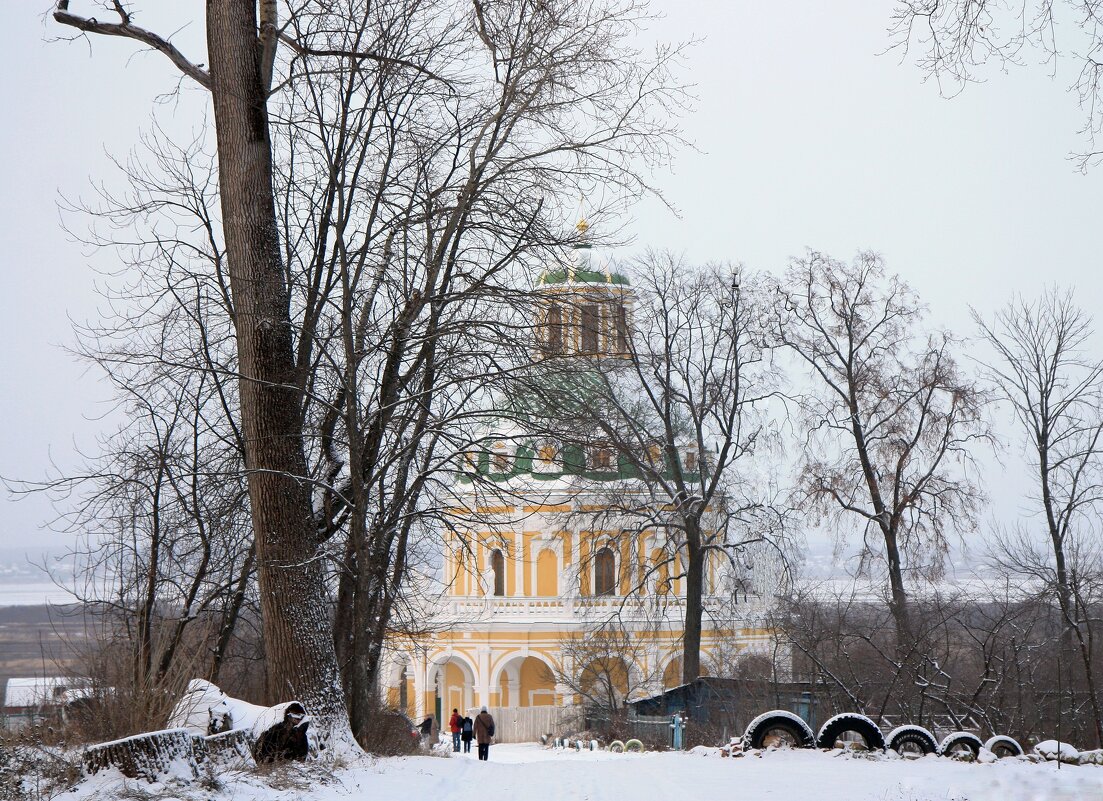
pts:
[205, 709]
[1054, 749]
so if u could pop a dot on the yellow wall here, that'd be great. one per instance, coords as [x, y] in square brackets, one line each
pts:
[603, 671]
[536, 676]
[547, 574]
[543, 574]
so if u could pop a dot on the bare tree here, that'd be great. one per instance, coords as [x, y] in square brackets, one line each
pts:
[677, 410]
[299, 650]
[416, 158]
[956, 38]
[1044, 371]
[604, 667]
[433, 197]
[889, 420]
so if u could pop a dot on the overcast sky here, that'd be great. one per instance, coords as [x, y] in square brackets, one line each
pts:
[805, 137]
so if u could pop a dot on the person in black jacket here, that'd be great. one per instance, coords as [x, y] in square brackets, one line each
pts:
[467, 733]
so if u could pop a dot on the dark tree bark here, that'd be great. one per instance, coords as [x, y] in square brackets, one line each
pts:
[299, 649]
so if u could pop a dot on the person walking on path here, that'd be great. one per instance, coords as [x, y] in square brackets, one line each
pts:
[467, 734]
[484, 732]
[455, 725]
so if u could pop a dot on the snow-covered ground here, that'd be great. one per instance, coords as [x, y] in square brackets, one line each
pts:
[531, 773]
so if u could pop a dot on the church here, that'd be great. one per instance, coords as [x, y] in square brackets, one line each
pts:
[527, 590]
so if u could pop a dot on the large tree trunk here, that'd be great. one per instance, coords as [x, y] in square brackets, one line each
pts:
[695, 587]
[301, 663]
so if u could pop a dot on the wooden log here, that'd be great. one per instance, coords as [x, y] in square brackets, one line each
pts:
[229, 746]
[149, 756]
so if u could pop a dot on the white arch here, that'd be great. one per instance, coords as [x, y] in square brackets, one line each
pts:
[665, 662]
[512, 662]
[440, 659]
[396, 661]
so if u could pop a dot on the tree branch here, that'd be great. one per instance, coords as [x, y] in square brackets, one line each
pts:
[127, 30]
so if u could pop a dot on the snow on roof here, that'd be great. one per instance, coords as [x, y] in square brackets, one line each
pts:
[44, 691]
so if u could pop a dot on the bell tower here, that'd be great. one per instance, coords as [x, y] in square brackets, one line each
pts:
[584, 307]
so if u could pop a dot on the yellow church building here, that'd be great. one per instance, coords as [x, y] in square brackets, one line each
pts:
[524, 589]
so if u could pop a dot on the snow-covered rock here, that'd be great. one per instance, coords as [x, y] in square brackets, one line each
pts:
[1092, 757]
[704, 750]
[986, 757]
[1054, 749]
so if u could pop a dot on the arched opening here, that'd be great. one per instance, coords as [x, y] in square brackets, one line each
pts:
[605, 572]
[452, 686]
[590, 327]
[498, 569]
[525, 681]
[401, 692]
[620, 328]
[553, 330]
[604, 681]
[547, 574]
[672, 676]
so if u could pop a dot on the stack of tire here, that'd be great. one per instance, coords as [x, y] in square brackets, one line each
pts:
[780, 728]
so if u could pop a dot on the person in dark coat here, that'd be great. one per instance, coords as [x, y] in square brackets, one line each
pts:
[484, 733]
[455, 726]
[467, 733]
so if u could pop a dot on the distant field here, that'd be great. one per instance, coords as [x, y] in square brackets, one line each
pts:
[36, 640]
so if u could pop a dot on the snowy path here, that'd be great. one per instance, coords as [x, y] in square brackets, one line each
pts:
[530, 773]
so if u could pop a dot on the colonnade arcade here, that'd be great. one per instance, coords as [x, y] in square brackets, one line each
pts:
[435, 682]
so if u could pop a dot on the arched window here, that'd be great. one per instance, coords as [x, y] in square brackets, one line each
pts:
[590, 327]
[498, 568]
[601, 458]
[620, 324]
[501, 460]
[553, 330]
[605, 572]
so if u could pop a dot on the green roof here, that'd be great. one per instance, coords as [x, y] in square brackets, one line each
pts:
[563, 276]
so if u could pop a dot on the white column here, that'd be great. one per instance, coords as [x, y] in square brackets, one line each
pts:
[420, 670]
[482, 677]
[518, 563]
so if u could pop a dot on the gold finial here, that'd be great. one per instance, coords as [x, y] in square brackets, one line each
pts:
[582, 226]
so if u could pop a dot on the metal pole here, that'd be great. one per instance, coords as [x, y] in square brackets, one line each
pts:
[1058, 710]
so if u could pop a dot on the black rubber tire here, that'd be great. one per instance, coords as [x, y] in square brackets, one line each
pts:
[960, 739]
[851, 722]
[777, 721]
[915, 736]
[1003, 746]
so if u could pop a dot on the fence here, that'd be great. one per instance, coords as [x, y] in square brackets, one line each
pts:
[529, 723]
[653, 730]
